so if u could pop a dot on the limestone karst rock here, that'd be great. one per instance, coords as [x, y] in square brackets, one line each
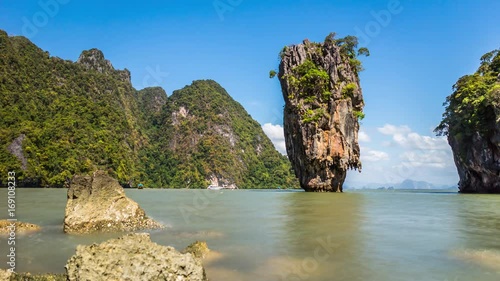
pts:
[472, 124]
[323, 103]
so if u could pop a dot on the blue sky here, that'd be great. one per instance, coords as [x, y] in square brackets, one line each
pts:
[418, 50]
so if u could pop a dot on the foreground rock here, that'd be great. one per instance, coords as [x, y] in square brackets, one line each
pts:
[32, 277]
[323, 102]
[133, 257]
[21, 227]
[5, 275]
[472, 124]
[99, 203]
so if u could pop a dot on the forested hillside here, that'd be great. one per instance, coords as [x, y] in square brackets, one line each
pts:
[59, 118]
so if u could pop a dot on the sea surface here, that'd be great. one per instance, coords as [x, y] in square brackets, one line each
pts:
[284, 235]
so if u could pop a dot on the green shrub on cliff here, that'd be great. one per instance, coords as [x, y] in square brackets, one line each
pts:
[311, 85]
[308, 79]
[358, 114]
[469, 108]
[348, 90]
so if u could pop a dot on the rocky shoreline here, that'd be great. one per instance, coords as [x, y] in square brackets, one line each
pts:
[98, 203]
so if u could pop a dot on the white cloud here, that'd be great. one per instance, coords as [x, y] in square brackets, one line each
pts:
[420, 157]
[389, 129]
[277, 136]
[433, 159]
[368, 155]
[426, 142]
[404, 137]
[363, 137]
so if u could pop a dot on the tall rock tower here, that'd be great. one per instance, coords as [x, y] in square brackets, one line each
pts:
[323, 106]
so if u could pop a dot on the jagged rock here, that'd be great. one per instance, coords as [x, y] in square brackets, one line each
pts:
[93, 59]
[99, 203]
[21, 227]
[323, 101]
[133, 257]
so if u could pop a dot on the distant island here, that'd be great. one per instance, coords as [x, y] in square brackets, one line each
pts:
[407, 184]
[59, 118]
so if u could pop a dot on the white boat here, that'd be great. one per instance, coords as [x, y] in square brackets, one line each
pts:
[215, 187]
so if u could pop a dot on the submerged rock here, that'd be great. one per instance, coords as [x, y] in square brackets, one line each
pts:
[20, 227]
[198, 249]
[486, 258]
[323, 102]
[99, 203]
[133, 257]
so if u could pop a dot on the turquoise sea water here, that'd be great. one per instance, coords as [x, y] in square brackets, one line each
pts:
[281, 235]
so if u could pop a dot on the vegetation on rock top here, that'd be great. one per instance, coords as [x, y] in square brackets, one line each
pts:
[470, 108]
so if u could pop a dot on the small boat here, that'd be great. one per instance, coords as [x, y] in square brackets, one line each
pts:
[215, 187]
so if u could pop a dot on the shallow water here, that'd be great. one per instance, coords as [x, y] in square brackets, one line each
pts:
[279, 235]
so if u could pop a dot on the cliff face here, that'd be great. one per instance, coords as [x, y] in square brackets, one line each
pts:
[478, 161]
[323, 103]
[472, 123]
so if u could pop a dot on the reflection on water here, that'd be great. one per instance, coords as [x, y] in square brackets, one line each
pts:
[268, 235]
[322, 236]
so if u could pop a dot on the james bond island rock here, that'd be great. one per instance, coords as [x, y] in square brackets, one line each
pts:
[323, 106]
[472, 124]
[99, 204]
[133, 257]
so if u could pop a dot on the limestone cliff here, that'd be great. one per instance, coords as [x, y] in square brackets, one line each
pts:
[472, 124]
[323, 103]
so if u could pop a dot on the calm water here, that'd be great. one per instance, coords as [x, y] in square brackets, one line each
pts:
[270, 235]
